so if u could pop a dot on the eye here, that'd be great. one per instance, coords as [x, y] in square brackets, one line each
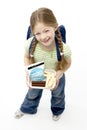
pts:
[37, 34]
[46, 31]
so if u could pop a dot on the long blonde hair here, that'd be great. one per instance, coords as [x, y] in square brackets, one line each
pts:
[47, 17]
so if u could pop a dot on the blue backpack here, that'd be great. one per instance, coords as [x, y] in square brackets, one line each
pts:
[63, 35]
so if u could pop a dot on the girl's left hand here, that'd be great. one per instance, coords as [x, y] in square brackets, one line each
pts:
[58, 76]
[57, 82]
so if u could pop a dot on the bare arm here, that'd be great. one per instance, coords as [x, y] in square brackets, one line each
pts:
[26, 63]
[26, 59]
[60, 72]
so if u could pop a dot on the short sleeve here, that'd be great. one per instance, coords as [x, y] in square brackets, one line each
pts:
[27, 44]
[66, 51]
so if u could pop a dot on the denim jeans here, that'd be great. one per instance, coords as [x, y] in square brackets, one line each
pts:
[33, 96]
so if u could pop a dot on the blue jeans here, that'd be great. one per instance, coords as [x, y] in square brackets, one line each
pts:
[33, 96]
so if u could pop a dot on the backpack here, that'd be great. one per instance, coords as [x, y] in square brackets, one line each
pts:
[63, 35]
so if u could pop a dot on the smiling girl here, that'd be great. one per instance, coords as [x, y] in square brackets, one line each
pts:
[44, 27]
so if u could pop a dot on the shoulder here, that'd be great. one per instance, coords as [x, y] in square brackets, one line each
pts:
[66, 50]
[27, 44]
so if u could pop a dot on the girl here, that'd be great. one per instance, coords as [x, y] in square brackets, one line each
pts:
[44, 28]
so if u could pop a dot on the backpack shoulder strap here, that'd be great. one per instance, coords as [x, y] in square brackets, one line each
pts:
[28, 33]
[63, 33]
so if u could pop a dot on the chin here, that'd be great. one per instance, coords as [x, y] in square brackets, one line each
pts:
[46, 45]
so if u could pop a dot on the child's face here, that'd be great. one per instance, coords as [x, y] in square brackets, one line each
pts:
[44, 34]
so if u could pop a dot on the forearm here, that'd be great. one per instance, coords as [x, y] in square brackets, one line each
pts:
[59, 73]
[26, 59]
[26, 63]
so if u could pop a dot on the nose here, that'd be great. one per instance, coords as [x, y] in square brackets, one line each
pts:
[42, 36]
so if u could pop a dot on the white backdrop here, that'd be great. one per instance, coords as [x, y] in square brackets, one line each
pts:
[14, 22]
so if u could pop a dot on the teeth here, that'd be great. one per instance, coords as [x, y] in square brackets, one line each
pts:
[46, 40]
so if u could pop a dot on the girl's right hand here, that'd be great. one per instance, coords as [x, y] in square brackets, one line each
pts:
[27, 80]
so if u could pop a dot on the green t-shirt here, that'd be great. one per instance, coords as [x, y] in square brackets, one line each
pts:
[49, 57]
